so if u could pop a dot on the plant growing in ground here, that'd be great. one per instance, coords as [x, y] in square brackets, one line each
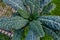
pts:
[31, 24]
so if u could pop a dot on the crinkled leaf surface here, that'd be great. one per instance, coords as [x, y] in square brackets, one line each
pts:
[58, 33]
[52, 33]
[48, 8]
[31, 36]
[44, 3]
[12, 22]
[16, 4]
[24, 13]
[51, 21]
[32, 6]
[37, 28]
[17, 35]
[38, 6]
[54, 18]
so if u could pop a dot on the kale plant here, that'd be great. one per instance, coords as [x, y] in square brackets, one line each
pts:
[31, 22]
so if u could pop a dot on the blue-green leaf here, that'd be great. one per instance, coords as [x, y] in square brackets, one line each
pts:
[16, 22]
[54, 18]
[44, 3]
[58, 33]
[48, 8]
[52, 33]
[51, 22]
[37, 28]
[16, 4]
[24, 13]
[31, 36]
[17, 35]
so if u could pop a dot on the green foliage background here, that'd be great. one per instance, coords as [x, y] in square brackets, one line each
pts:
[57, 9]
[47, 37]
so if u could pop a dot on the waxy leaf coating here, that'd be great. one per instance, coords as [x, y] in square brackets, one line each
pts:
[9, 23]
[37, 28]
[52, 33]
[16, 4]
[31, 36]
[51, 21]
